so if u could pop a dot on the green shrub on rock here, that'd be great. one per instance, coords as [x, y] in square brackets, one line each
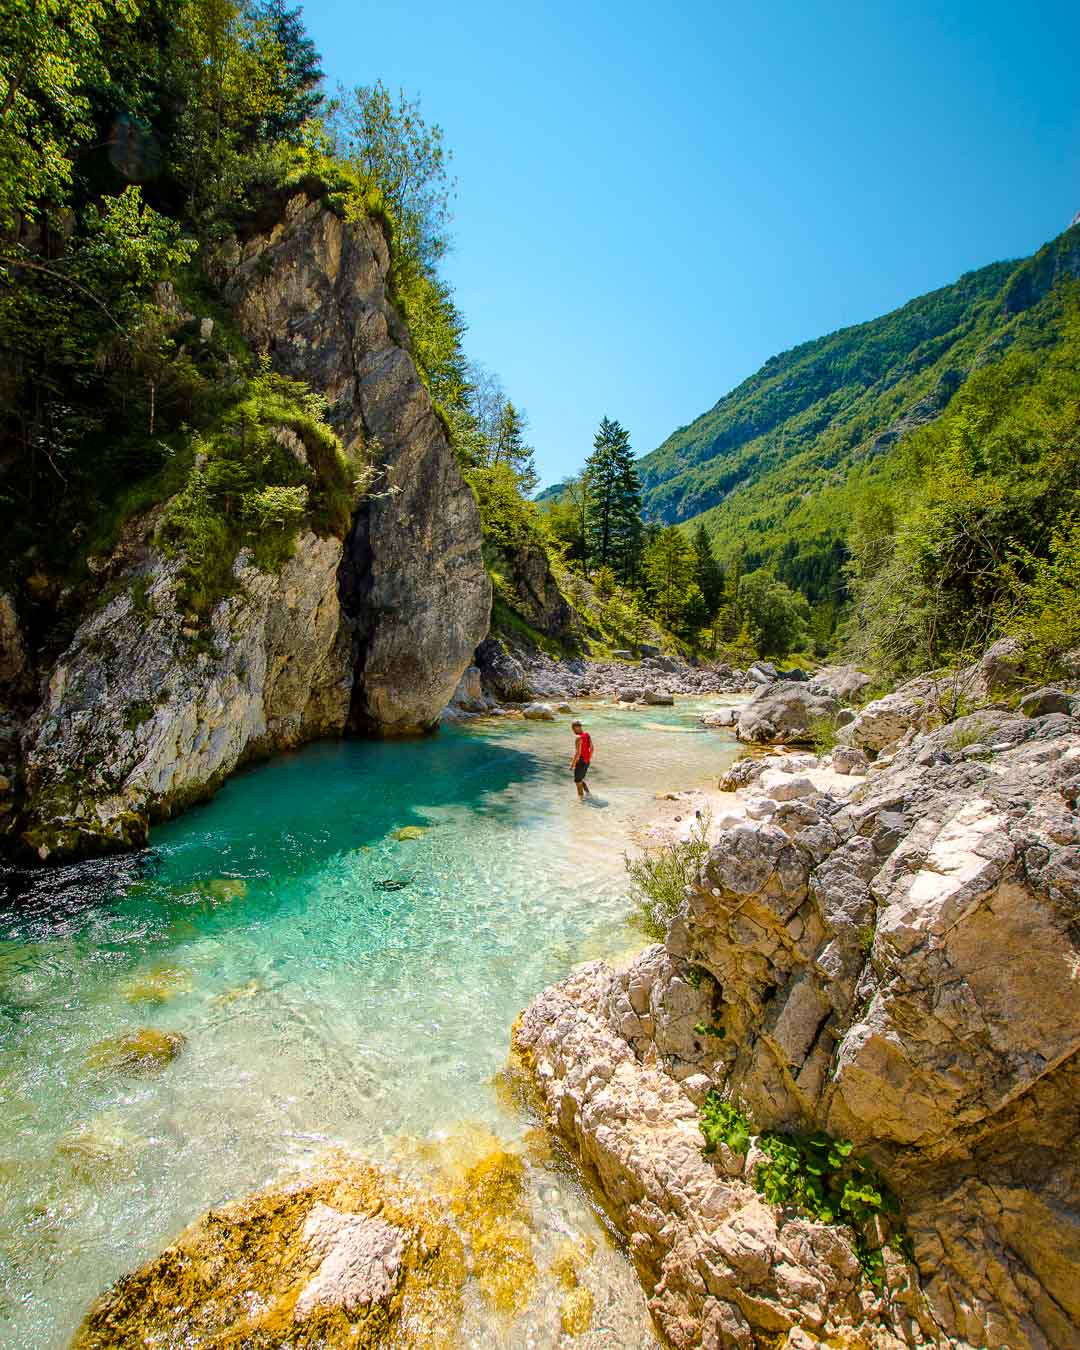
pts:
[814, 1173]
[660, 878]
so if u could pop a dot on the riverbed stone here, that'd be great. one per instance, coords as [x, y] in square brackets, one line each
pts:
[347, 1256]
[539, 712]
[143, 1052]
[159, 984]
[782, 714]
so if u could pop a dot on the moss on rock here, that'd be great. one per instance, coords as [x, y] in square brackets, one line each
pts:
[140, 1052]
[348, 1256]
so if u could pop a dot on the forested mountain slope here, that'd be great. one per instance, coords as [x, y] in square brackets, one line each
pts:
[774, 468]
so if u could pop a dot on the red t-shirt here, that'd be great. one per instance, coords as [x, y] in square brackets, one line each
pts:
[585, 748]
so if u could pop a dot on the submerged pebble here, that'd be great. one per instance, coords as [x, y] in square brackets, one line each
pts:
[157, 985]
[146, 1051]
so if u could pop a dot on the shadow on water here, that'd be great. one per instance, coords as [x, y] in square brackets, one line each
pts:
[278, 822]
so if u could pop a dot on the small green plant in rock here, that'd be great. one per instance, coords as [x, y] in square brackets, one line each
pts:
[815, 1173]
[970, 734]
[136, 714]
[723, 1123]
[823, 731]
[660, 878]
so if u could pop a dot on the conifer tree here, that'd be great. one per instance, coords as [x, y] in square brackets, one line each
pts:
[510, 447]
[669, 567]
[613, 526]
[707, 571]
[301, 73]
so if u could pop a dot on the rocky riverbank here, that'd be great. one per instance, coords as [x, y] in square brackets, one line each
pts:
[889, 958]
[507, 676]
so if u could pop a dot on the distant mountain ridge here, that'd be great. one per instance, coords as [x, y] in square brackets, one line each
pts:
[770, 468]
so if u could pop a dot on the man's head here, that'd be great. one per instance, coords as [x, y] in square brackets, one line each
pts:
[576, 728]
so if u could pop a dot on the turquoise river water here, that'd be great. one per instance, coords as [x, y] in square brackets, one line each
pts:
[321, 1009]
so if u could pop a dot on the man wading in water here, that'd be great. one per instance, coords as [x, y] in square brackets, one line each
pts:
[583, 749]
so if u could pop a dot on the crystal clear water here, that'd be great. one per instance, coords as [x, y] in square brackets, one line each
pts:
[321, 1007]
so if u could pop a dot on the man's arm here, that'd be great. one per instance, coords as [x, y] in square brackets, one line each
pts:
[577, 751]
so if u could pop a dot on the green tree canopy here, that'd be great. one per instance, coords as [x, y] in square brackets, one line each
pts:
[777, 616]
[708, 573]
[613, 513]
[391, 144]
[669, 569]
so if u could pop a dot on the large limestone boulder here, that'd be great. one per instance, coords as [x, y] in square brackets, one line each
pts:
[898, 969]
[1001, 667]
[842, 682]
[501, 674]
[142, 715]
[348, 1257]
[312, 291]
[468, 696]
[780, 714]
[913, 707]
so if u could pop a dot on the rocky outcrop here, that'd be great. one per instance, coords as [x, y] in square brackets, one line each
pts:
[502, 675]
[312, 291]
[344, 1258]
[14, 663]
[843, 682]
[897, 968]
[537, 596]
[145, 711]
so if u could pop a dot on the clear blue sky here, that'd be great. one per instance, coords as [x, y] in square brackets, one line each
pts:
[654, 199]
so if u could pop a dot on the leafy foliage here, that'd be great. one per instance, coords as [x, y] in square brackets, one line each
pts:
[390, 142]
[1043, 598]
[50, 54]
[249, 488]
[815, 1173]
[975, 535]
[660, 877]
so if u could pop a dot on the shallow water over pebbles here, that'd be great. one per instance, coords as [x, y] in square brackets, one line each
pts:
[336, 986]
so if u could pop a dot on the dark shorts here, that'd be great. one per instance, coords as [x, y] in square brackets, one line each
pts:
[580, 770]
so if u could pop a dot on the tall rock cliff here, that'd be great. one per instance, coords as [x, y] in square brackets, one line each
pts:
[312, 291]
[142, 713]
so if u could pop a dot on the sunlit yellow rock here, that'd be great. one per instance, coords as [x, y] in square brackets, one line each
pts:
[409, 832]
[140, 1052]
[570, 1259]
[576, 1310]
[490, 1204]
[156, 985]
[347, 1256]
